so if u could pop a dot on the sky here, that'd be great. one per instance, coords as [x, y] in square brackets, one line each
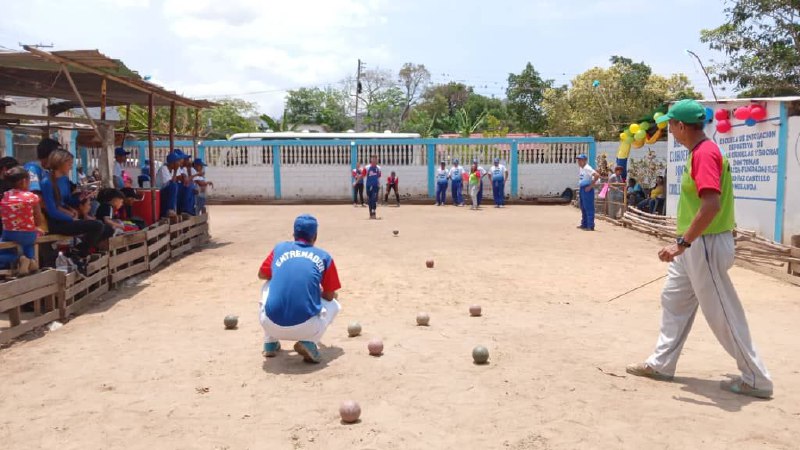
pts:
[259, 49]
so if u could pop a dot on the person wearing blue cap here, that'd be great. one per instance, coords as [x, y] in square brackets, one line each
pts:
[201, 185]
[166, 181]
[457, 183]
[298, 299]
[186, 200]
[120, 157]
[587, 177]
[373, 185]
[499, 176]
[442, 175]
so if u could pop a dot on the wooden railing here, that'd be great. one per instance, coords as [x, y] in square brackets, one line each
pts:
[32, 301]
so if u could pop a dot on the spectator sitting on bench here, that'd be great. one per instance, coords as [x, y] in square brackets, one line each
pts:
[22, 217]
[635, 192]
[63, 220]
[650, 205]
[38, 169]
[6, 163]
[111, 200]
[85, 209]
[126, 212]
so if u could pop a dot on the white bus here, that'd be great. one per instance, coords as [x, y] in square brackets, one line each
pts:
[305, 135]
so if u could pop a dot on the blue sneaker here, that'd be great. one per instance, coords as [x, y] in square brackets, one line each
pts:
[271, 349]
[308, 350]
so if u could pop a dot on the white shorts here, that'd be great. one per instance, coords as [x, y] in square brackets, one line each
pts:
[311, 330]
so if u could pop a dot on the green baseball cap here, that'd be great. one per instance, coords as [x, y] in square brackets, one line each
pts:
[686, 111]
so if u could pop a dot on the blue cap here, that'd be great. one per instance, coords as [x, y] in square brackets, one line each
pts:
[455, 160]
[173, 158]
[497, 160]
[581, 156]
[119, 151]
[305, 227]
[199, 162]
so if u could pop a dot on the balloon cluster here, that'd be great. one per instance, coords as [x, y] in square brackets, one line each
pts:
[639, 134]
[750, 115]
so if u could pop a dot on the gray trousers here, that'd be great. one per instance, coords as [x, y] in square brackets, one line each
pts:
[700, 277]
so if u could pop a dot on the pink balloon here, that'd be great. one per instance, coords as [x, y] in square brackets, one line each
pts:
[724, 126]
[722, 114]
[742, 113]
[758, 112]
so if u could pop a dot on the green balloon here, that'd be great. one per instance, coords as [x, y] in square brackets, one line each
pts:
[628, 138]
[640, 135]
[644, 125]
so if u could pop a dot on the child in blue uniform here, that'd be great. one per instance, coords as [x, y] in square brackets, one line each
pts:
[499, 176]
[442, 175]
[457, 183]
[373, 185]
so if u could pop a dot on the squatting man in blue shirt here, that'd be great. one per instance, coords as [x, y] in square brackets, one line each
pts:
[298, 300]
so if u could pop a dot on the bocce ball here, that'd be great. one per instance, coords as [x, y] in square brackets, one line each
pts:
[423, 319]
[349, 411]
[354, 329]
[231, 322]
[375, 347]
[480, 354]
[429, 264]
[475, 310]
[396, 232]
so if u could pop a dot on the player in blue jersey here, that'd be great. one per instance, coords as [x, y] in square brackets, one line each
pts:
[298, 301]
[499, 175]
[442, 175]
[457, 183]
[373, 185]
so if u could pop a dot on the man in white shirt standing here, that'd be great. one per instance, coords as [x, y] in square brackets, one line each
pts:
[442, 175]
[587, 178]
[499, 176]
[457, 183]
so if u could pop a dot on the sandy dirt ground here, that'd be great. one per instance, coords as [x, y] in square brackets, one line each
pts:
[153, 368]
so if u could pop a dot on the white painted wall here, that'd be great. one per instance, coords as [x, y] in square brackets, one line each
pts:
[539, 180]
[750, 156]
[791, 224]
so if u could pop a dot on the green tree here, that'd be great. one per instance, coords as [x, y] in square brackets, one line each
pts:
[229, 116]
[414, 78]
[318, 106]
[761, 39]
[276, 124]
[494, 127]
[422, 123]
[385, 110]
[525, 93]
[601, 102]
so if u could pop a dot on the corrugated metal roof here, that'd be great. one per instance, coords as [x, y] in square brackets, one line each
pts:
[31, 75]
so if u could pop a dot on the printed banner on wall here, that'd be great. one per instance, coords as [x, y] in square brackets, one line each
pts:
[752, 149]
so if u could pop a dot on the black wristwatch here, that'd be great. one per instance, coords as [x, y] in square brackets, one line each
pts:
[682, 242]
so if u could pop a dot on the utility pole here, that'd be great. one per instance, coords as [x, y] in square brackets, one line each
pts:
[358, 90]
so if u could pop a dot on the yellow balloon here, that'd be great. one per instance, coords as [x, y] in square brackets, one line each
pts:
[662, 125]
[624, 150]
[623, 136]
[634, 128]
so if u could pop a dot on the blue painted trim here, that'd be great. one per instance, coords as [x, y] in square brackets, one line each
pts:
[9, 143]
[514, 169]
[201, 152]
[142, 153]
[760, 199]
[593, 153]
[85, 160]
[73, 148]
[353, 155]
[344, 142]
[780, 195]
[431, 169]
[276, 170]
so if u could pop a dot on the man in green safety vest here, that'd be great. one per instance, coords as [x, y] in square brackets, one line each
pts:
[700, 260]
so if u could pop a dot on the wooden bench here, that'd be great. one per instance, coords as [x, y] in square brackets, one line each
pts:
[128, 256]
[44, 290]
[198, 232]
[41, 240]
